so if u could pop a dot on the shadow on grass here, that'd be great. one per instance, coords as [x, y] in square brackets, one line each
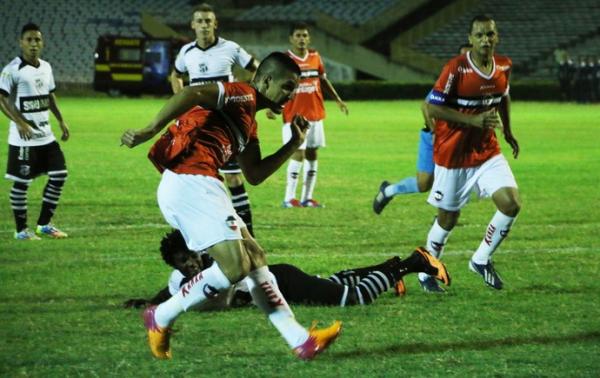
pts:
[419, 348]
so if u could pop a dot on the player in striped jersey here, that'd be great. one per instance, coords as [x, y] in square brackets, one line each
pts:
[358, 286]
[208, 59]
[469, 101]
[26, 94]
[308, 101]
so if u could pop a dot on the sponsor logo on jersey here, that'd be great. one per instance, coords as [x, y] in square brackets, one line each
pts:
[465, 70]
[449, 83]
[33, 104]
[202, 67]
[503, 67]
[239, 99]
[309, 73]
[306, 88]
[39, 83]
[487, 86]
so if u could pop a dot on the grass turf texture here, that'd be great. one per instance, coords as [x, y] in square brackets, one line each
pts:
[60, 301]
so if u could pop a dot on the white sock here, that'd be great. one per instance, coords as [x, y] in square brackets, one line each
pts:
[436, 241]
[293, 171]
[268, 298]
[310, 179]
[496, 232]
[204, 285]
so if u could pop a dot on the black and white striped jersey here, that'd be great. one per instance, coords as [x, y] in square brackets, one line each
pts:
[29, 87]
[213, 63]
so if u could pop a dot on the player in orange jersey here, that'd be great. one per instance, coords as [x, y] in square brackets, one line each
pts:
[307, 101]
[221, 125]
[469, 101]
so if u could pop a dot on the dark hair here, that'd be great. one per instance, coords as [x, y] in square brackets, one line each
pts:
[204, 7]
[466, 45]
[277, 61]
[30, 27]
[480, 18]
[298, 26]
[170, 244]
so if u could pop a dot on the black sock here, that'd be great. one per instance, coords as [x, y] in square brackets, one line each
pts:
[241, 204]
[352, 277]
[51, 196]
[18, 203]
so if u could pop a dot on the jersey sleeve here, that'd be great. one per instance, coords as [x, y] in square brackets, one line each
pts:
[7, 81]
[51, 83]
[445, 85]
[180, 63]
[321, 68]
[242, 57]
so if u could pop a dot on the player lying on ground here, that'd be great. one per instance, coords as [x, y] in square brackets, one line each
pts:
[360, 286]
[219, 124]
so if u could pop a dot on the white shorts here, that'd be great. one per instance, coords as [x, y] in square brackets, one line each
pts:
[315, 136]
[452, 187]
[200, 208]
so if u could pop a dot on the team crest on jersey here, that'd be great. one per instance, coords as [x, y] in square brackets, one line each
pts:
[202, 67]
[39, 83]
[231, 222]
[25, 170]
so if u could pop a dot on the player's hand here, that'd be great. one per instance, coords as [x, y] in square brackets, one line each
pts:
[487, 120]
[132, 138]
[343, 107]
[65, 131]
[271, 114]
[25, 131]
[136, 303]
[299, 126]
[510, 139]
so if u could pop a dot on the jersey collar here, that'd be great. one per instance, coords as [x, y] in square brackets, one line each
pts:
[297, 57]
[209, 46]
[27, 63]
[478, 71]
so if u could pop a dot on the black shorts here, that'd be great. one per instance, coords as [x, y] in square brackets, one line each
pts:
[26, 163]
[231, 166]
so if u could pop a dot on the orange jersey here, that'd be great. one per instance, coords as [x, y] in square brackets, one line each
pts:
[308, 97]
[463, 87]
[212, 142]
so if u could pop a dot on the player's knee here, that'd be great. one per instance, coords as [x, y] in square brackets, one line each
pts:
[424, 182]
[511, 207]
[256, 253]
[311, 154]
[447, 219]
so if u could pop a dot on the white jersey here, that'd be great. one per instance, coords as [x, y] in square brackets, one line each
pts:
[222, 301]
[213, 63]
[29, 87]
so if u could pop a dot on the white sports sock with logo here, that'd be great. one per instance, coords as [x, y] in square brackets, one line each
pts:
[310, 179]
[268, 298]
[204, 285]
[436, 241]
[293, 172]
[494, 234]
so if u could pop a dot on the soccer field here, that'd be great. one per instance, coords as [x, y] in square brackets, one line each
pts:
[60, 300]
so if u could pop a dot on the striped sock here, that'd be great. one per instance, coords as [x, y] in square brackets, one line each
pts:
[241, 204]
[51, 195]
[18, 203]
[370, 287]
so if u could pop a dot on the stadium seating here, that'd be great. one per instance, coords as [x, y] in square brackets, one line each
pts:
[354, 12]
[529, 30]
[71, 28]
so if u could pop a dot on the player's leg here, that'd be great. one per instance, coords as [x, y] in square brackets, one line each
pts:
[18, 170]
[315, 139]
[421, 183]
[496, 178]
[56, 168]
[293, 170]
[239, 196]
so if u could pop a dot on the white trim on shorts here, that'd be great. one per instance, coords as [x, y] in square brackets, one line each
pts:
[315, 136]
[452, 187]
[198, 206]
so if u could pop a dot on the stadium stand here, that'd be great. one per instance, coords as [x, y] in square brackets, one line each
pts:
[529, 30]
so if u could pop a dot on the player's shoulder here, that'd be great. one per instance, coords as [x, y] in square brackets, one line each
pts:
[14, 64]
[458, 61]
[503, 62]
[187, 47]
[226, 43]
[313, 52]
[45, 64]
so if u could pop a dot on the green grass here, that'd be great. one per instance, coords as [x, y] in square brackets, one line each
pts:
[60, 300]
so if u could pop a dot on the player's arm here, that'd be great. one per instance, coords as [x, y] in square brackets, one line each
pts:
[206, 96]
[176, 81]
[485, 120]
[256, 168]
[23, 126]
[429, 121]
[504, 111]
[58, 115]
[330, 90]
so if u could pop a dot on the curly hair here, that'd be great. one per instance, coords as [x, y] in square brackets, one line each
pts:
[170, 244]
